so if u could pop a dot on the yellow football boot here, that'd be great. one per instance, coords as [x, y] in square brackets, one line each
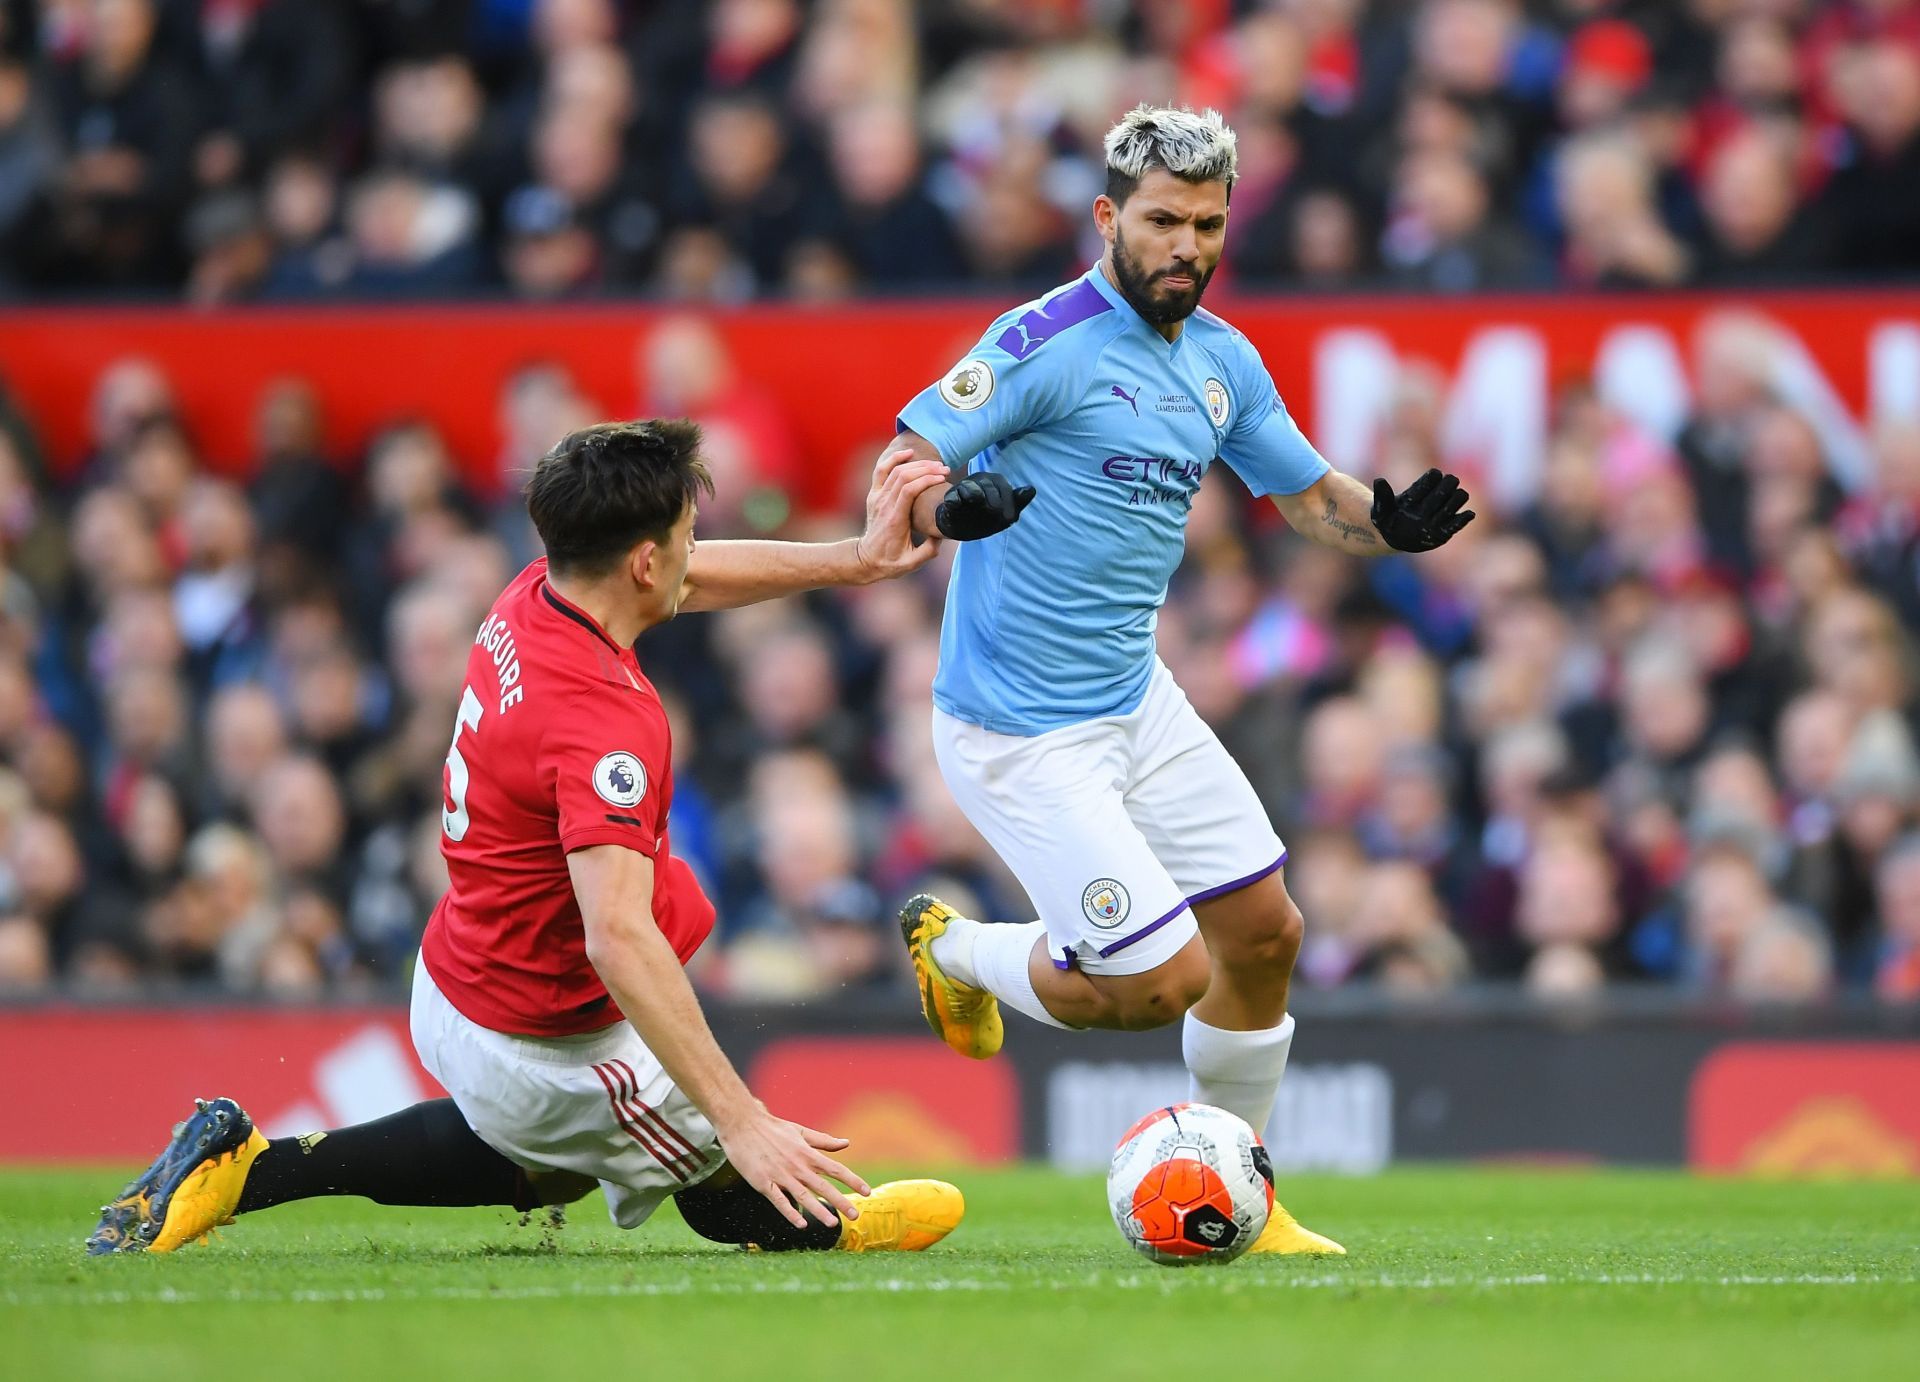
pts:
[903, 1216]
[1283, 1234]
[192, 1187]
[965, 1017]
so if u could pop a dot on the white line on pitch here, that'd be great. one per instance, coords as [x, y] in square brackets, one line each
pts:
[1163, 1283]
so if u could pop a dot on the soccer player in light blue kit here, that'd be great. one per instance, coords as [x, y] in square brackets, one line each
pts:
[1159, 880]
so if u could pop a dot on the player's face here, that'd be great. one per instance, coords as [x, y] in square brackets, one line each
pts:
[670, 560]
[1165, 243]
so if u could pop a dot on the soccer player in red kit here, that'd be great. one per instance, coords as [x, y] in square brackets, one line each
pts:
[549, 999]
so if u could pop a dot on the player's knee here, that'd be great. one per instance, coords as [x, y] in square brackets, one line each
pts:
[1272, 943]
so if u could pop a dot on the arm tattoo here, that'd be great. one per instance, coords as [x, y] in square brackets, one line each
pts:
[1353, 532]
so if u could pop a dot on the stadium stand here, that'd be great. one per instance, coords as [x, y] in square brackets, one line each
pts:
[1654, 725]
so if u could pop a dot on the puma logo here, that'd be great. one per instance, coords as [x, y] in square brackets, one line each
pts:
[1133, 399]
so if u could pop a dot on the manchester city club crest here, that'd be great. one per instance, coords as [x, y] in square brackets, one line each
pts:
[620, 778]
[1218, 404]
[967, 385]
[1106, 903]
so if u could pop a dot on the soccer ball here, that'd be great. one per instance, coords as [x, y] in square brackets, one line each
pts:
[1190, 1183]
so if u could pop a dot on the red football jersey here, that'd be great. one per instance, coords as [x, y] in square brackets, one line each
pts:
[561, 743]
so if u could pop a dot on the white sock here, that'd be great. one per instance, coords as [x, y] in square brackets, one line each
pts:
[953, 949]
[1000, 956]
[1237, 1071]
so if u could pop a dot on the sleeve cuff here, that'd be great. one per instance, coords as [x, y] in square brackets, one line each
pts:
[916, 417]
[1306, 484]
[635, 838]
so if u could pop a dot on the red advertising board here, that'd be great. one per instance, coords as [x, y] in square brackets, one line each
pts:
[86, 1084]
[840, 373]
[903, 1100]
[1785, 1108]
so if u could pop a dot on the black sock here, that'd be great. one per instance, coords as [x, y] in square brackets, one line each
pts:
[737, 1213]
[424, 1155]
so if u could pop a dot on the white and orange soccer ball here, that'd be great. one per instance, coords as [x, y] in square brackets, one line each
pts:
[1190, 1183]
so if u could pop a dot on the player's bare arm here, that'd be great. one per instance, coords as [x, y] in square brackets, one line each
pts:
[786, 1162]
[1338, 511]
[726, 574]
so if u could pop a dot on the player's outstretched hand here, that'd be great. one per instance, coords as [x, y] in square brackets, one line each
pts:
[980, 506]
[888, 547]
[788, 1163]
[1423, 515]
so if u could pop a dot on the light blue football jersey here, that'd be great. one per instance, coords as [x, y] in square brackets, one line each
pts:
[1051, 622]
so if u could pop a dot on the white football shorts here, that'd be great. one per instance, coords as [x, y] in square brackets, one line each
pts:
[598, 1104]
[1115, 826]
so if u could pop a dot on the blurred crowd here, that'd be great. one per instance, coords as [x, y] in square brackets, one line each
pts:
[284, 149]
[1652, 720]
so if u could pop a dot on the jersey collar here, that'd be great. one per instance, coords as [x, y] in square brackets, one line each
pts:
[578, 615]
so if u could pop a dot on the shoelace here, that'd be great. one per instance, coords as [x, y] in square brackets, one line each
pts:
[877, 1225]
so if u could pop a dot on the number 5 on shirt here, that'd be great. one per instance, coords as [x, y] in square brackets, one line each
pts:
[453, 818]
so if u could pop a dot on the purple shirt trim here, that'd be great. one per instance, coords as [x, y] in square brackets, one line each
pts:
[1050, 318]
[1142, 933]
[1209, 893]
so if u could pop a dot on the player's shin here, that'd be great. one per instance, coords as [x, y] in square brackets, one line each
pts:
[1237, 1071]
[422, 1155]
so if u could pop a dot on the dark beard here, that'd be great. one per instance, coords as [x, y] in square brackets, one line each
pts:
[1136, 286]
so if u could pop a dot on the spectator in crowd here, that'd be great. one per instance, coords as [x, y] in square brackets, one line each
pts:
[302, 205]
[1327, 240]
[1874, 199]
[813, 926]
[1569, 906]
[410, 237]
[1410, 949]
[1897, 891]
[245, 734]
[1615, 235]
[746, 183]
[278, 75]
[547, 253]
[1443, 234]
[298, 495]
[29, 164]
[1757, 229]
[895, 234]
[128, 117]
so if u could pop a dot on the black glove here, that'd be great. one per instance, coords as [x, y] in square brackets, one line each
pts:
[980, 506]
[1424, 515]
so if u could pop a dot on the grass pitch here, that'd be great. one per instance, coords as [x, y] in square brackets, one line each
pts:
[1477, 1274]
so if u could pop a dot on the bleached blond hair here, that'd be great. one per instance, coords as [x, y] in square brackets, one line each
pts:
[1197, 146]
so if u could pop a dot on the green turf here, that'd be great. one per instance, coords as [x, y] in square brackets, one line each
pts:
[1454, 1273]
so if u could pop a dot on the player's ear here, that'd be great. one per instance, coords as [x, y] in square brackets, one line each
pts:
[643, 564]
[1106, 212]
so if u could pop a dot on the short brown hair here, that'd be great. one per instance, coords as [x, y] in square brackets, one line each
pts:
[604, 489]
